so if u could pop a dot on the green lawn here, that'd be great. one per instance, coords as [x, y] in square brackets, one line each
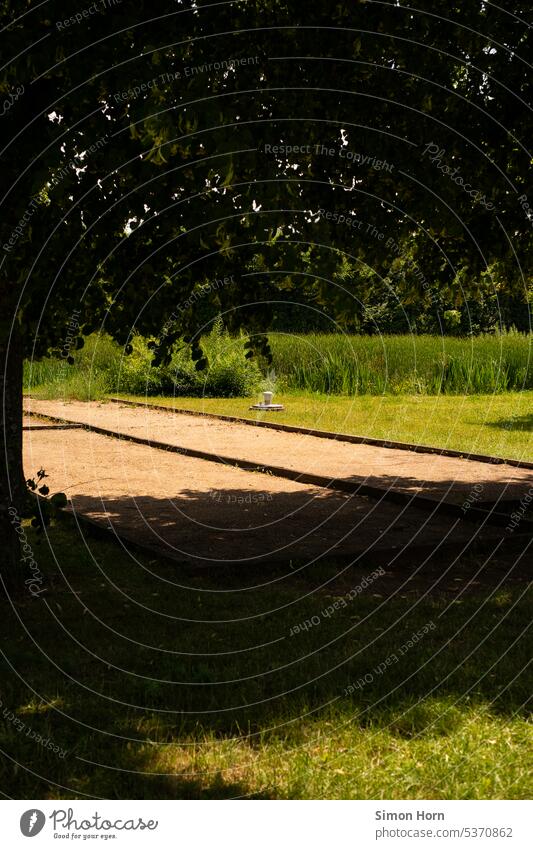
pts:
[196, 688]
[500, 425]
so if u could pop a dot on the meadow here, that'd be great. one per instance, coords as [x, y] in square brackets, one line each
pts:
[332, 364]
[500, 425]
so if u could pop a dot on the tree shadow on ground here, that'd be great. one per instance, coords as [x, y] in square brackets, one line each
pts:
[520, 423]
[163, 679]
[249, 528]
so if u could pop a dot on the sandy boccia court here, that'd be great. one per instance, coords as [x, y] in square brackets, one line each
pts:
[201, 511]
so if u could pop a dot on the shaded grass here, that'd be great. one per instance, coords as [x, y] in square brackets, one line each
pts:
[162, 681]
[499, 425]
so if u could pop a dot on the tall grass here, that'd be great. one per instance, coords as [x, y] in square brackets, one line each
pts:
[101, 368]
[324, 363]
[375, 365]
[92, 376]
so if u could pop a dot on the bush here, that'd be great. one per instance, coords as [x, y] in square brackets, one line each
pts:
[101, 368]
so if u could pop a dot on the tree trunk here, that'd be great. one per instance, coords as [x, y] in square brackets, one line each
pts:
[13, 491]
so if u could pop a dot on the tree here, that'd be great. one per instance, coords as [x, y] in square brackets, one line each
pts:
[146, 156]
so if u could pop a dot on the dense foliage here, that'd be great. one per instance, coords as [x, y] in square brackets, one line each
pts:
[148, 155]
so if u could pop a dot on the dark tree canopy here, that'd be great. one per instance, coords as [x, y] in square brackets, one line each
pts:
[157, 148]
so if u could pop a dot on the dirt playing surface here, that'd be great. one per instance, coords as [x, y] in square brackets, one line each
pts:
[441, 478]
[204, 512]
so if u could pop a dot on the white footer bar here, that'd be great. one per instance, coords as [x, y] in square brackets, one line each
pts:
[267, 824]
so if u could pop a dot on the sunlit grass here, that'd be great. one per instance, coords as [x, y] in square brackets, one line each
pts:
[427, 365]
[500, 425]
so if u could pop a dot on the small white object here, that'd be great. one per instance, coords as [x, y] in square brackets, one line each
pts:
[267, 403]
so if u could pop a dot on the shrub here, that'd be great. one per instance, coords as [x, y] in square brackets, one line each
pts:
[101, 368]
